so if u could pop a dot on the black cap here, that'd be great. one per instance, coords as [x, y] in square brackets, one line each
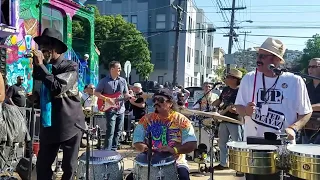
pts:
[164, 93]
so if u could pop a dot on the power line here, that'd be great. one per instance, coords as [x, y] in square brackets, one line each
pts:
[283, 5]
[272, 12]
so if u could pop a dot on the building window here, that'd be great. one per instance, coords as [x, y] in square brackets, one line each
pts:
[201, 60]
[125, 17]
[52, 18]
[173, 21]
[196, 58]
[188, 54]
[160, 79]
[134, 20]
[159, 56]
[208, 62]
[198, 30]
[161, 21]
[202, 32]
[189, 25]
[209, 40]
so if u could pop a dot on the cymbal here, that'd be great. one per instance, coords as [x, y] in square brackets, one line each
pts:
[220, 118]
[190, 112]
[228, 119]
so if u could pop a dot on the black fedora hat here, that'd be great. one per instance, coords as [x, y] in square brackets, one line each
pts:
[52, 36]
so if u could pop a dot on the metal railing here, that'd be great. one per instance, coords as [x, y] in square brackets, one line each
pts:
[35, 125]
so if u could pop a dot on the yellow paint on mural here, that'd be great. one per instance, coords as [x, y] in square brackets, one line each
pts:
[22, 48]
[14, 39]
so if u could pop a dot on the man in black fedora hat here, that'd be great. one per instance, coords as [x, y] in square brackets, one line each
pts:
[62, 82]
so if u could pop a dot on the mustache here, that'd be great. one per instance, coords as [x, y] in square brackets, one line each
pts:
[259, 63]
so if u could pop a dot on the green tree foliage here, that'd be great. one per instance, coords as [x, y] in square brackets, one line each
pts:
[244, 71]
[118, 40]
[312, 50]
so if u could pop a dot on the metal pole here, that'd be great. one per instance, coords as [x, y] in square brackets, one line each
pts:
[176, 47]
[231, 31]
[32, 120]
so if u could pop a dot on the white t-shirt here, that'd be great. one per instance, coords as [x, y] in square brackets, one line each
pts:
[89, 102]
[208, 99]
[286, 100]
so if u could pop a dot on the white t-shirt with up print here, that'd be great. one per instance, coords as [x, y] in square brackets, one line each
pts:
[285, 101]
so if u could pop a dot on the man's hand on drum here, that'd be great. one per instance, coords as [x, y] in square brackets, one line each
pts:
[291, 134]
[166, 149]
[251, 106]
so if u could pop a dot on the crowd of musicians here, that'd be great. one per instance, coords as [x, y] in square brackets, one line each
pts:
[262, 100]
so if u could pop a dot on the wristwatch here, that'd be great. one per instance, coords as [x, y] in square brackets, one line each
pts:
[294, 129]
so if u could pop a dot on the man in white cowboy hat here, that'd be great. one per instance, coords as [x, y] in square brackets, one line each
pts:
[59, 78]
[280, 103]
[226, 108]
[138, 105]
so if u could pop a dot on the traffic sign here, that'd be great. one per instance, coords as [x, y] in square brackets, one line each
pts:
[127, 68]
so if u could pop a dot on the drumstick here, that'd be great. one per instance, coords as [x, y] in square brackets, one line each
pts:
[254, 85]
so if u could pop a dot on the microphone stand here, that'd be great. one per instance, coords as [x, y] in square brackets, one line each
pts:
[88, 135]
[149, 153]
[199, 174]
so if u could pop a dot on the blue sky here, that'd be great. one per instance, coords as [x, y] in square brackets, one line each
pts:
[266, 13]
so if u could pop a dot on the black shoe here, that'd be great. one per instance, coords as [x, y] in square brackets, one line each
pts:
[220, 167]
[239, 174]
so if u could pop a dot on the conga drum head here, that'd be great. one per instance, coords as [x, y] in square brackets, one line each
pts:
[102, 156]
[158, 158]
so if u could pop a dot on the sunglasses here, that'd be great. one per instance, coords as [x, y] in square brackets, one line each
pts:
[313, 67]
[159, 99]
[230, 77]
[21, 79]
[263, 56]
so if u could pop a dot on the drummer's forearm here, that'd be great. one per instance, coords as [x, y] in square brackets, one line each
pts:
[301, 122]
[186, 147]
[241, 110]
[139, 146]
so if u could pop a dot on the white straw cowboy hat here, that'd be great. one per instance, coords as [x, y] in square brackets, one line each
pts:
[138, 85]
[274, 46]
[235, 73]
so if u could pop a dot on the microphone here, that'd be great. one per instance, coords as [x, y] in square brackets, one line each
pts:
[217, 83]
[275, 70]
[29, 55]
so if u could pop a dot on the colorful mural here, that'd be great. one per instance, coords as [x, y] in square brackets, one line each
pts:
[23, 43]
[19, 45]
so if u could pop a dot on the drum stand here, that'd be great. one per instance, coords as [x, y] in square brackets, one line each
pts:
[200, 169]
[88, 135]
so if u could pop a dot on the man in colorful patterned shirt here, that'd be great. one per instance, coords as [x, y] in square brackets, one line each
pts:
[171, 132]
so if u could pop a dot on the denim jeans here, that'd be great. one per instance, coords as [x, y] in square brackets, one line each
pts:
[183, 174]
[310, 137]
[226, 130]
[114, 130]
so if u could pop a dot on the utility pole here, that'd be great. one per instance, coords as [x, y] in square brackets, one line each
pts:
[245, 39]
[244, 46]
[231, 32]
[178, 27]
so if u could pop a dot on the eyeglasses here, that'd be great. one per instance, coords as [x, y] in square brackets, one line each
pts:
[21, 79]
[313, 67]
[159, 99]
[263, 56]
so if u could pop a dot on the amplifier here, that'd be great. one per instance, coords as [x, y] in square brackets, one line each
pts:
[100, 120]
